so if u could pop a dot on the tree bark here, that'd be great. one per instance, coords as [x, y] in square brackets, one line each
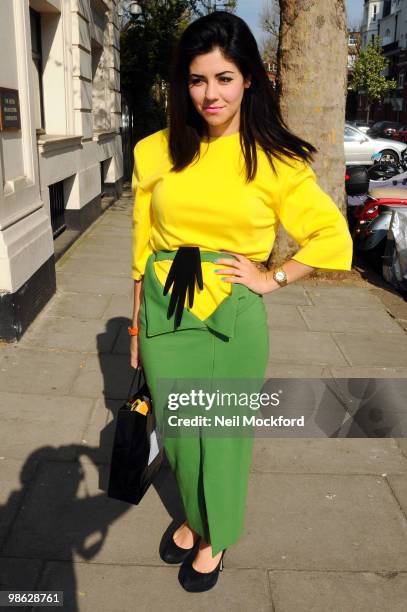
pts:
[312, 88]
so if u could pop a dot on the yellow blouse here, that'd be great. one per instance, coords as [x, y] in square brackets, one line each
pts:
[209, 205]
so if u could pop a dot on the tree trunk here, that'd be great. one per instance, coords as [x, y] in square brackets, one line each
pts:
[312, 85]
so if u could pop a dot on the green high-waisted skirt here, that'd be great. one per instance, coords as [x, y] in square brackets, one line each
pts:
[211, 471]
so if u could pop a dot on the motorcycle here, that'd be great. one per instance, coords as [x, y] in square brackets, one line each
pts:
[370, 207]
[382, 170]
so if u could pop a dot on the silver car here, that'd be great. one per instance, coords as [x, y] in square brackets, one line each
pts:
[360, 147]
[360, 125]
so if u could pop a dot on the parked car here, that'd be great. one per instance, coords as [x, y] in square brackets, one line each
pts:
[361, 125]
[400, 133]
[383, 129]
[360, 147]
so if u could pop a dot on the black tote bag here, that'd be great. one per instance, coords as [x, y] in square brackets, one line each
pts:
[137, 451]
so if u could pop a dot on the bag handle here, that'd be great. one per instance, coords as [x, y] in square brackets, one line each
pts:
[138, 372]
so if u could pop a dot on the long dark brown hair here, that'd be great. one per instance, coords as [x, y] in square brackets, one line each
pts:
[260, 116]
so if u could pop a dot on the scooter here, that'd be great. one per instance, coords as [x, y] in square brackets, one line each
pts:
[370, 206]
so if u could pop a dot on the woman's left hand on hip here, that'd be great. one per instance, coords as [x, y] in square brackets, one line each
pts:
[242, 270]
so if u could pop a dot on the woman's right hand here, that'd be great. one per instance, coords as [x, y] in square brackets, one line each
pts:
[135, 358]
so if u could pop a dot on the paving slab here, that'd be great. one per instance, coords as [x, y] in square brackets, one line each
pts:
[66, 516]
[342, 295]
[122, 344]
[368, 372]
[293, 294]
[94, 265]
[101, 251]
[111, 231]
[15, 476]
[322, 522]
[339, 591]
[376, 407]
[99, 432]
[340, 319]
[328, 456]
[19, 575]
[119, 306]
[79, 305]
[124, 212]
[48, 420]
[53, 374]
[305, 348]
[109, 241]
[367, 349]
[285, 316]
[104, 375]
[72, 334]
[116, 220]
[398, 484]
[90, 587]
[103, 285]
[287, 370]
[402, 444]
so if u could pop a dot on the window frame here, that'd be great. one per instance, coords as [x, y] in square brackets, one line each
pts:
[355, 133]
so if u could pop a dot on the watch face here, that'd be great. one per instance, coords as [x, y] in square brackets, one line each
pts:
[280, 276]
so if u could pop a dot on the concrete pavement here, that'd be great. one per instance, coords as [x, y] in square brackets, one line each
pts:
[326, 523]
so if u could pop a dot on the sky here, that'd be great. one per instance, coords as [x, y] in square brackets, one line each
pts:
[250, 10]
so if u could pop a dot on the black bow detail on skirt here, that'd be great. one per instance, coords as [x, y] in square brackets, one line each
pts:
[185, 270]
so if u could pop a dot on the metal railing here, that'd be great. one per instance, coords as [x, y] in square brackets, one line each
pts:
[57, 208]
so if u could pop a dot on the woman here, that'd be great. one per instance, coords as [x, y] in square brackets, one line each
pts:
[210, 192]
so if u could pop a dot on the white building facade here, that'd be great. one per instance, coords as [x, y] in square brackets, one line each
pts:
[372, 12]
[60, 143]
[388, 19]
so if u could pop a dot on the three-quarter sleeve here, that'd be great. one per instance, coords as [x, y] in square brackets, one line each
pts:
[142, 219]
[312, 218]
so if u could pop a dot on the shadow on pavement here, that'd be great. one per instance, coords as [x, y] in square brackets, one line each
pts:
[52, 518]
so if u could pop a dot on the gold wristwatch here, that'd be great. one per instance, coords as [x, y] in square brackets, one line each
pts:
[280, 276]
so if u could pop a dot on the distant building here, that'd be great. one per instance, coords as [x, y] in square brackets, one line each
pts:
[353, 48]
[372, 13]
[60, 144]
[387, 19]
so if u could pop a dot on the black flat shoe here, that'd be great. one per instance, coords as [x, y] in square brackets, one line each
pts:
[171, 553]
[197, 582]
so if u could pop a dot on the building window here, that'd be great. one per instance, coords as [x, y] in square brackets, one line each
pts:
[374, 12]
[386, 8]
[36, 54]
[102, 178]
[99, 88]
[401, 80]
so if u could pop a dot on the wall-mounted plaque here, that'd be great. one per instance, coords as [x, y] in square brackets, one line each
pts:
[9, 110]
